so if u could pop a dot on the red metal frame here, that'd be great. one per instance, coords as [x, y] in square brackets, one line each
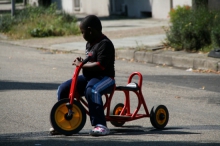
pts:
[128, 116]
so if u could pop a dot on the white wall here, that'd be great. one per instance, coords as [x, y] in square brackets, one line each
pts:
[99, 8]
[182, 3]
[68, 6]
[160, 9]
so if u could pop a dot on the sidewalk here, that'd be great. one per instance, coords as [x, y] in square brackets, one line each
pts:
[128, 35]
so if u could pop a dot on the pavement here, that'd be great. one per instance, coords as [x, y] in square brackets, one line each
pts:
[139, 40]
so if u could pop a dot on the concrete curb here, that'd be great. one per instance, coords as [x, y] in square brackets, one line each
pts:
[178, 59]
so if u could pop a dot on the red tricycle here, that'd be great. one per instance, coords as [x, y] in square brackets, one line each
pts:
[68, 116]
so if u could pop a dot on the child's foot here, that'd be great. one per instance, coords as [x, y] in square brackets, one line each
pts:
[99, 130]
[54, 132]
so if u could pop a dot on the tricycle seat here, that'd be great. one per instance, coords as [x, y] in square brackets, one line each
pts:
[128, 87]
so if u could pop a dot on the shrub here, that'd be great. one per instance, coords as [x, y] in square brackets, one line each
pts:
[179, 19]
[215, 33]
[192, 30]
[6, 23]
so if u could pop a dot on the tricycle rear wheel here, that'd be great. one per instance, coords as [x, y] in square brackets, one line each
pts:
[64, 124]
[159, 116]
[116, 111]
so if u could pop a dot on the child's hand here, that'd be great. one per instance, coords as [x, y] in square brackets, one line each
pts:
[77, 61]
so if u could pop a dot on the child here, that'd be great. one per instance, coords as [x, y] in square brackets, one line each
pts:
[98, 73]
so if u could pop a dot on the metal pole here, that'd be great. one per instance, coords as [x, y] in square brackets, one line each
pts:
[171, 4]
[12, 7]
[24, 2]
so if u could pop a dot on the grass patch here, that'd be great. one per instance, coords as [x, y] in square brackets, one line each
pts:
[54, 51]
[38, 22]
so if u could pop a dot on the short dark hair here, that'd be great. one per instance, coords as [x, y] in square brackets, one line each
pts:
[92, 21]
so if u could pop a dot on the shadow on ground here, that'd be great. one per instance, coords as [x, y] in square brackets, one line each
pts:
[14, 85]
[117, 137]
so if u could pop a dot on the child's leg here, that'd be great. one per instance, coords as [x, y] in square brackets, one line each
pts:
[64, 89]
[94, 91]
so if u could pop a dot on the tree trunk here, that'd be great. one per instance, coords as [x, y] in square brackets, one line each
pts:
[24, 2]
[199, 3]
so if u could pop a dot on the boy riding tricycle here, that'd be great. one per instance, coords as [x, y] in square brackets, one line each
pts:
[68, 115]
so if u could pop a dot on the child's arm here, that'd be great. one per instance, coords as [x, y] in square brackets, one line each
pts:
[94, 66]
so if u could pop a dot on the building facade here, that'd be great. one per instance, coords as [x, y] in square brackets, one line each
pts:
[158, 9]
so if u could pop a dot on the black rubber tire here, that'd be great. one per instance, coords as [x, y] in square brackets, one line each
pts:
[152, 118]
[66, 126]
[116, 111]
[159, 116]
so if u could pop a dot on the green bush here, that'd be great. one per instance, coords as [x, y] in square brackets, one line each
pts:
[6, 23]
[179, 19]
[215, 33]
[39, 22]
[192, 30]
[216, 37]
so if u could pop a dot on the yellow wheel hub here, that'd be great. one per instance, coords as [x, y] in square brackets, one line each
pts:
[65, 124]
[161, 116]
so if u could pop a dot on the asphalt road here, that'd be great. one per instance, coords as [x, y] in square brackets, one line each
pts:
[28, 83]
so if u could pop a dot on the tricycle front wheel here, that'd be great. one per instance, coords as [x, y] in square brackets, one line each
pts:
[64, 124]
[159, 116]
